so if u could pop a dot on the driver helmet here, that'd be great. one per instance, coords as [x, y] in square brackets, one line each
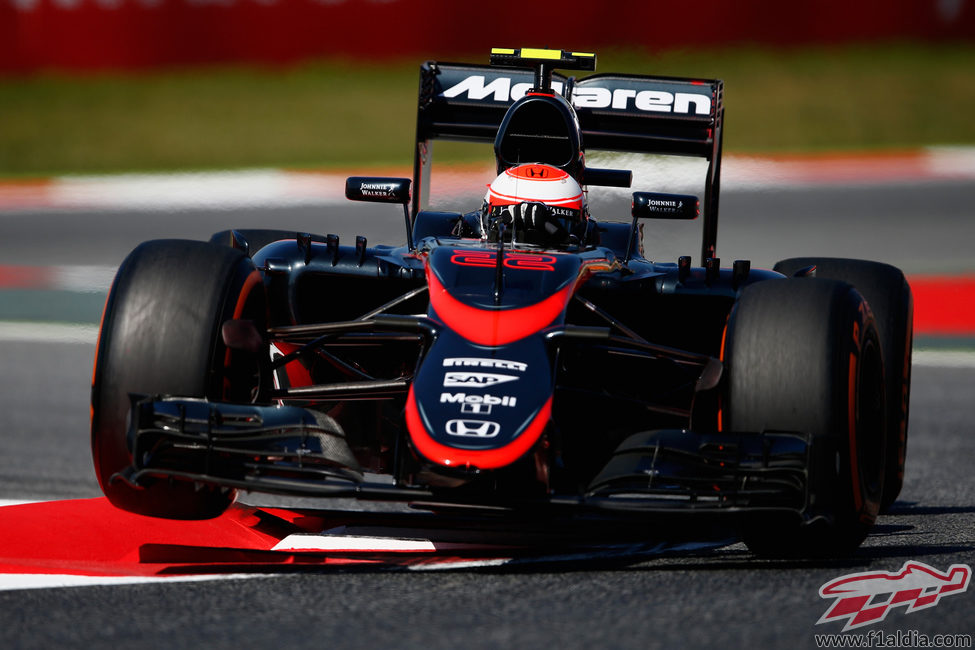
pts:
[536, 183]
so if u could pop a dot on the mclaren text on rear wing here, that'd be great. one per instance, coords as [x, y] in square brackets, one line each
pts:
[616, 112]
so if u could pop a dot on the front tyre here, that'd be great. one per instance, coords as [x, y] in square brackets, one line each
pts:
[889, 296]
[803, 355]
[160, 334]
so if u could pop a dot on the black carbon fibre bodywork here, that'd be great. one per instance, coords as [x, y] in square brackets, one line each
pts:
[639, 340]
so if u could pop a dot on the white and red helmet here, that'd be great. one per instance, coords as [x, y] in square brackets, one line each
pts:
[538, 183]
[525, 185]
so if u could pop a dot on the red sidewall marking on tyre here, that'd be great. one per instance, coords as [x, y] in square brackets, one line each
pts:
[253, 279]
[852, 430]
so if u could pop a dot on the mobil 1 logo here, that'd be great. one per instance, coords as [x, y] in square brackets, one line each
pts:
[477, 403]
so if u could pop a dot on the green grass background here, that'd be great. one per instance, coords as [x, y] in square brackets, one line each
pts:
[340, 114]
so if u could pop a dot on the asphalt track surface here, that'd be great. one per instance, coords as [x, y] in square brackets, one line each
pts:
[717, 598]
[921, 227]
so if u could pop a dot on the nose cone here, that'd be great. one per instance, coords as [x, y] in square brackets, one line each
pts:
[471, 406]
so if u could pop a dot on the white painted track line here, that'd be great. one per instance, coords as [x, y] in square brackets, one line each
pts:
[48, 333]
[15, 581]
[944, 358]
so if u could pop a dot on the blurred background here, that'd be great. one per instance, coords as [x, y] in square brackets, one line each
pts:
[96, 86]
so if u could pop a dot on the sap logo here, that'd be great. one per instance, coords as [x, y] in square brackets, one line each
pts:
[475, 379]
[487, 400]
[473, 428]
[500, 89]
[474, 362]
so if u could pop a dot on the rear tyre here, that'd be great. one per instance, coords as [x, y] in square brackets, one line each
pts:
[161, 334]
[889, 296]
[803, 355]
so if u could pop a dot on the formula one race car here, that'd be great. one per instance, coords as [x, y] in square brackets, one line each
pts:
[520, 358]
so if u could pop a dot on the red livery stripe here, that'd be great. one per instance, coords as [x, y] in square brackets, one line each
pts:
[494, 327]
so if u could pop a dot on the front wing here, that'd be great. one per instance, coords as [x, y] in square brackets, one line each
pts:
[670, 473]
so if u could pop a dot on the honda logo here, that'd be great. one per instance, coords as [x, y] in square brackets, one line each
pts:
[473, 428]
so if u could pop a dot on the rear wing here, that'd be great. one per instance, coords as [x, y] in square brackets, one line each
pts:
[617, 112]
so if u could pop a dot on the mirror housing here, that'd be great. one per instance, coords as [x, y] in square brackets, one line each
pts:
[656, 205]
[607, 177]
[378, 189]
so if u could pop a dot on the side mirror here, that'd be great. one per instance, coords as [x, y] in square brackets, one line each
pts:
[655, 205]
[378, 189]
[607, 177]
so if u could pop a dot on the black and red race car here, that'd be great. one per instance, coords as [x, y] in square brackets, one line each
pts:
[521, 359]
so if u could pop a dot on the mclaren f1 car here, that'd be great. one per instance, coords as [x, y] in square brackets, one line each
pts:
[524, 357]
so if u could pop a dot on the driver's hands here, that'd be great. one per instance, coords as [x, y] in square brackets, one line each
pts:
[531, 216]
[536, 219]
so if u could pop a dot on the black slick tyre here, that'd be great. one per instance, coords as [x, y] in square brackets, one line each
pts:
[889, 296]
[161, 334]
[803, 355]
